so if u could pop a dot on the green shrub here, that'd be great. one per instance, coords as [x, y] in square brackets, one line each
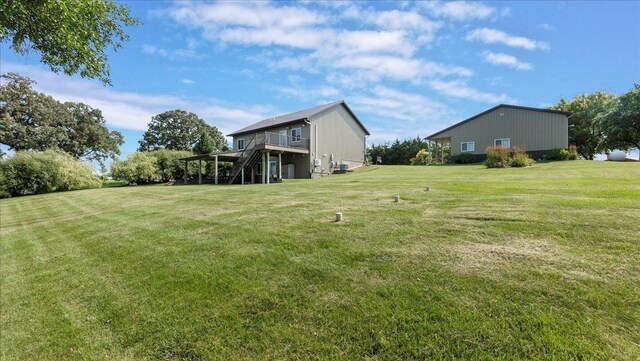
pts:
[497, 157]
[139, 168]
[423, 157]
[161, 165]
[169, 167]
[558, 154]
[520, 159]
[573, 152]
[464, 158]
[29, 172]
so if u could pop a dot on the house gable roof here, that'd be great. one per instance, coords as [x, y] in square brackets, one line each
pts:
[568, 114]
[296, 117]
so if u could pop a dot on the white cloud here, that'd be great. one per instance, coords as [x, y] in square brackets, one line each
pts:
[385, 43]
[424, 29]
[187, 81]
[254, 15]
[129, 110]
[494, 36]
[150, 49]
[505, 59]
[460, 89]
[459, 10]
[310, 93]
[395, 104]
[411, 114]
[398, 68]
[189, 52]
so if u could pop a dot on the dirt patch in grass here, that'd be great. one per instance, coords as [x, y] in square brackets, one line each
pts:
[472, 256]
[429, 213]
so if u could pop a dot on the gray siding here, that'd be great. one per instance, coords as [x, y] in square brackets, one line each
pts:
[301, 163]
[529, 129]
[336, 133]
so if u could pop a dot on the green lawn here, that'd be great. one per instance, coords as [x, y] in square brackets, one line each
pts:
[541, 262]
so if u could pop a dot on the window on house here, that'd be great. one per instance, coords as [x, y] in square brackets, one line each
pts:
[296, 134]
[240, 144]
[504, 142]
[467, 146]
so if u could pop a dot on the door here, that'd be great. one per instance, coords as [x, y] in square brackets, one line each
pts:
[282, 141]
[288, 171]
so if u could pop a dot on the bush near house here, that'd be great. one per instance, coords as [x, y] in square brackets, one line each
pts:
[497, 157]
[519, 158]
[464, 158]
[502, 157]
[29, 172]
[423, 157]
[558, 154]
[573, 152]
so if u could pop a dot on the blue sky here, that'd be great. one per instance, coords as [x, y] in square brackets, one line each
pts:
[405, 68]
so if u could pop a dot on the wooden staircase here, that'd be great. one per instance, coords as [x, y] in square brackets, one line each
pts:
[246, 163]
[247, 159]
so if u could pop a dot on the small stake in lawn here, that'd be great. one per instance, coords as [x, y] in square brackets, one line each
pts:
[397, 199]
[339, 217]
[427, 189]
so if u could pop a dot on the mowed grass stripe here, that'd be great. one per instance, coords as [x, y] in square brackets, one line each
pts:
[533, 263]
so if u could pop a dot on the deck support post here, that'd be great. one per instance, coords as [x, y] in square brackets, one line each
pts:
[186, 172]
[242, 174]
[264, 168]
[279, 165]
[199, 171]
[216, 175]
[253, 175]
[268, 167]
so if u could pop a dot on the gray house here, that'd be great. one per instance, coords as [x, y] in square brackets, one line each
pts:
[305, 144]
[534, 129]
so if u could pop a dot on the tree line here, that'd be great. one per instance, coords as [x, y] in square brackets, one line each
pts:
[602, 122]
[405, 152]
[50, 137]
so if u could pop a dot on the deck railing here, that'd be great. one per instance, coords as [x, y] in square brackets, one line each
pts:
[283, 140]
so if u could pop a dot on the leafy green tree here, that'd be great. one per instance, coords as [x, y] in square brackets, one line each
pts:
[178, 130]
[398, 152]
[87, 135]
[622, 126]
[586, 124]
[30, 120]
[205, 145]
[72, 36]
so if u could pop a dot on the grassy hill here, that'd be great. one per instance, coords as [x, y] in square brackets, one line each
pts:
[541, 262]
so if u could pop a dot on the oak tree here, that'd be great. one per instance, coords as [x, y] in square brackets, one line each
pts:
[30, 120]
[72, 36]
[178, 130]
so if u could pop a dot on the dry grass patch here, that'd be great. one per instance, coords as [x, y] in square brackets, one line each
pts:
[474, 256]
